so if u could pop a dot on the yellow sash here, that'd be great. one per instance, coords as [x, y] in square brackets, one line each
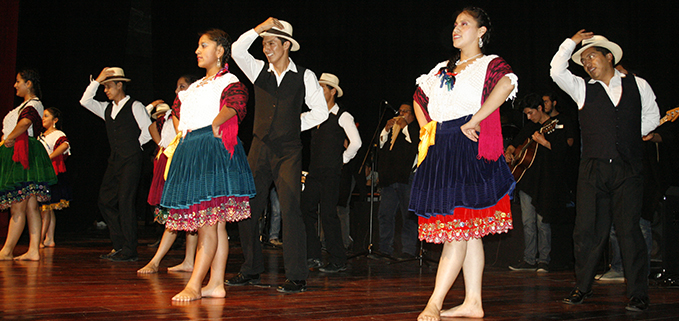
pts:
[427, 138]
[169, 152]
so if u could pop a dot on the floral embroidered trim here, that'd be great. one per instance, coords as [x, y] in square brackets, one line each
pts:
[231, 209]
[457, 230]
[62, 204]
[40, 190]
[160, 215]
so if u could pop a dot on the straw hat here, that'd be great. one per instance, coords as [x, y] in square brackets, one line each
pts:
[285, 33]
[598, 41]
[118, 75]
[333, 81]
[161, 109]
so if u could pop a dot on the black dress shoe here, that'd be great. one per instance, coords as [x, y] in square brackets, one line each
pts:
[154, 244]
[333, 268]
[405, 257]
[314, 263]
[109, 254]
[291, 286]
[123, 257]
[577, 296]
[243, 279]
[636, 304]
[379, 256]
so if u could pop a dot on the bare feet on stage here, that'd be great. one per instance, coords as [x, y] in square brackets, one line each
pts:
[149, 268]
[183, 267]
[28, 256]
[6, 257]
[465, 310]
[214, 292]
[430, 313]
[47, 244]
[187, 295]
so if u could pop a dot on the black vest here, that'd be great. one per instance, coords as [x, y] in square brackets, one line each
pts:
[396, 165]
[610, 131]
[327, 144]
[278, 108]
[123, 132]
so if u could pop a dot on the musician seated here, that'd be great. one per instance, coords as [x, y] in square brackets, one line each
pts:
[536, 157]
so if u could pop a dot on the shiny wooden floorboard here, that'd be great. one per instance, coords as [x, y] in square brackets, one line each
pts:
[71, 282]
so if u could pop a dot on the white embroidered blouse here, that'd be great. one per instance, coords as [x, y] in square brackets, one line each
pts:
[465, 98]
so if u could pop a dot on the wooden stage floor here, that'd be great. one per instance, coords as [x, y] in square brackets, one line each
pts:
[71, 282]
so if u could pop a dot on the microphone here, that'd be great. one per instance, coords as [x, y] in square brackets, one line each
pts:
[386, 103]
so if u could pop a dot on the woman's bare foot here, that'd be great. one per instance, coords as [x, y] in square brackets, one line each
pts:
[430, 313]
[465, 311]
[215, 292]
[6, 257]
[187, 295]
[183, 267]
[149, 268]
[48, 244]
[28, 256]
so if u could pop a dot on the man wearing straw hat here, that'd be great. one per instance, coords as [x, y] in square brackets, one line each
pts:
[127, 124]
[281, 90]
[328, 155]
[616, 113]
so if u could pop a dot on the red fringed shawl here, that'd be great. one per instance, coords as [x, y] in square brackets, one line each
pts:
[234, 96]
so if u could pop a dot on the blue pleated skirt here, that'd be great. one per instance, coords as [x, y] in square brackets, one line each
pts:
[452, 176]
[206, 184]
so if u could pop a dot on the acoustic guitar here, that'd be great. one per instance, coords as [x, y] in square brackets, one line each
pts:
[524, 155]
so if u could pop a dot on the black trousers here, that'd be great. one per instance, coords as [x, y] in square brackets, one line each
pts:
[117, 200]
[281, 165]
[610, 191]
[322, 187]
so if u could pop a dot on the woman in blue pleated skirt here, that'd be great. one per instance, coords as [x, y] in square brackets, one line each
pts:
[209, 181]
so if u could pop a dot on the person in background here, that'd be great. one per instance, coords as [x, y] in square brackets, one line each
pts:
[58, 148]
[395, 163]
[163, 132]
[328, 155]
[542, 189]
[127, 124]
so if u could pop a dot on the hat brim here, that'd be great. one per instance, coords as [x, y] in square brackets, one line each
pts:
[611, 46]
[159, 113]
[340, 92]
[115, 79]
[295, 44]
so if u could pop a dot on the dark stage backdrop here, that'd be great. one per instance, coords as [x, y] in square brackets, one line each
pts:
[377, 48]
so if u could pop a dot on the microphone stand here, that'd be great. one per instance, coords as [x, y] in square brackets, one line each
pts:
[373, 150]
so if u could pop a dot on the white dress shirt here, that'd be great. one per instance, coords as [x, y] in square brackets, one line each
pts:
[99, 109]
[575, 87]
[251, 67]
[384, 135]
[346, 121]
